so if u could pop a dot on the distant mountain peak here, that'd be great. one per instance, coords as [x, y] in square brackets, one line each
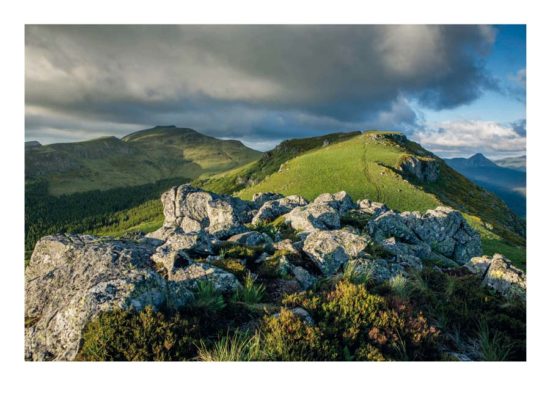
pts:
[479, 159]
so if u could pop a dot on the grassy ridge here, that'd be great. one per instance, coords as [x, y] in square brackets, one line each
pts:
[367, 166]
[139, 158]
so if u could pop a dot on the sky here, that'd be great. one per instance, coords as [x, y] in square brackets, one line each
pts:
[456, 89]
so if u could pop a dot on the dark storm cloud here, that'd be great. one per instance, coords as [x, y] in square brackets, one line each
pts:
[250, 82]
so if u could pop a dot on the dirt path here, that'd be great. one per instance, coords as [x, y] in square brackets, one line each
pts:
[367, 173]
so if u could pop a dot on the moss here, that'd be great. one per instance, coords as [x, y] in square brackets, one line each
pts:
[234, 266]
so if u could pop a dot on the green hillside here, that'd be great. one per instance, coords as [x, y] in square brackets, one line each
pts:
[140, 158]
[368, 166]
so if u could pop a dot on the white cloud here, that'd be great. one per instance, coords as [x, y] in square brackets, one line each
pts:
[462, 138]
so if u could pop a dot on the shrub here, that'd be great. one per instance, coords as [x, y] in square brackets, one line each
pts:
[455, 304]
[359, 325]
[286, 337]
[144, 336]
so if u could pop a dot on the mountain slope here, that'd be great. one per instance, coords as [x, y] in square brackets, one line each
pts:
[371, 165]
[506, 183]
[139, 158]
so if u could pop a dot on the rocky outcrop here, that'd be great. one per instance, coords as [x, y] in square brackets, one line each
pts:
[329, 250]
[423, 169]
[499, 274]
[443, 230]
[193, 209]
[71, 279]
[275, 208]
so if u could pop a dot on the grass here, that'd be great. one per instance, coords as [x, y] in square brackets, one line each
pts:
[207, 298]
[251, 292]
[236, 347]
[357, 166]
[492, 347]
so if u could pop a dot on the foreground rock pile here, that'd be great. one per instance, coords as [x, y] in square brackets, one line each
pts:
[72, 278]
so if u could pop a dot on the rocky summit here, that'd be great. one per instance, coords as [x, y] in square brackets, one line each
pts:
[286, 242]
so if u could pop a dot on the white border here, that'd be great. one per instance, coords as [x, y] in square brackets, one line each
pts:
[342, 377]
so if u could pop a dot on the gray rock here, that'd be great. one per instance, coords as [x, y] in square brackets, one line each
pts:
[305, 279]
[370, 207]
[443, 229]
[273, 209]
[193, 209]
[499, 274]
[72, 278]
[313, 216]
[329, 250]
[288, 245]
[423, 169]
[479, 265]
[222, 280]
[339, 201]
[175, 251]
[262, 197]
[251, 238]
[379, 270]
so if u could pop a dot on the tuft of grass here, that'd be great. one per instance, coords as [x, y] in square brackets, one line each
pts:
[207, 298]
[236, 347]
[353, 274]
[251, 292]
[493, 347]
[399, 286]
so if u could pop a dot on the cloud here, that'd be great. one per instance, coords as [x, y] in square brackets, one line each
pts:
[464, 138]
[257, 81]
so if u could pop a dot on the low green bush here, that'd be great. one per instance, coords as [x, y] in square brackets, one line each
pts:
[144, 336]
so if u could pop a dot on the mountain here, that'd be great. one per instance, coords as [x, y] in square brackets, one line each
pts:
[517, 163]
[381, 166]
[139, 158]
[508, 184]
[476, 161]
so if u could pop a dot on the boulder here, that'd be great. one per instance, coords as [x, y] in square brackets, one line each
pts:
[251, 238]
[499, 274]
[339, 201]
[305, 279]
[273, 209]
[222, 280]
[329, 250]
[379, 270]
[443, 230]
[505, 278]
[313, 216]
[423, 169]
[72, 278]
[262, 197]
[370, 207]
[193, 209]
